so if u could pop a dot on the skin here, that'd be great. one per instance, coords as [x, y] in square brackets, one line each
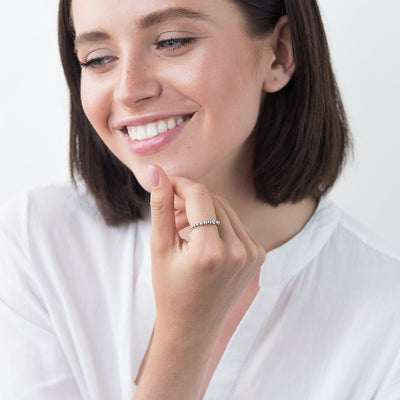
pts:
[205, 281]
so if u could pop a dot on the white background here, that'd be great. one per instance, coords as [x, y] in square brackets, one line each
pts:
[364, 38]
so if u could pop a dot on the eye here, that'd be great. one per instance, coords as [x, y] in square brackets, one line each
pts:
[97, 62]
[171, 45]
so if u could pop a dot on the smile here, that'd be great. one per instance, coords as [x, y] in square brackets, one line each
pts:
[153, 129]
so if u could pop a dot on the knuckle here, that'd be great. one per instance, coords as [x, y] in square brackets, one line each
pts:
[199, 189]
[252, 254]
[211, 258]
[239, 254]
[157, 206]
[214, 258]
[262, 257]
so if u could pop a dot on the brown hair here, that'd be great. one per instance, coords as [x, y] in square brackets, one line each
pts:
[301, 136]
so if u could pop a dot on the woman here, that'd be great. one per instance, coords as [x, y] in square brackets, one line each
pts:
[254, 285]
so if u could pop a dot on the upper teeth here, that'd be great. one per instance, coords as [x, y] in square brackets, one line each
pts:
[153, 129]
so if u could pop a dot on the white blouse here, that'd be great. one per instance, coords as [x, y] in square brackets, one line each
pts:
[77, 309]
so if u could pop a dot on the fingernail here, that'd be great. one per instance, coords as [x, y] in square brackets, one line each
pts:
[154, 176]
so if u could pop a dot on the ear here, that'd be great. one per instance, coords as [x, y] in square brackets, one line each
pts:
[281, 65]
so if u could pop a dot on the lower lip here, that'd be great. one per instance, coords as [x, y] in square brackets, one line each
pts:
[156, 143]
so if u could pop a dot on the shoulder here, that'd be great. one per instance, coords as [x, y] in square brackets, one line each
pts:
[359, 242]
[57, 231]
[56, 206]
[51, 199]
[60, 216]
[47, 217]
[360, 265]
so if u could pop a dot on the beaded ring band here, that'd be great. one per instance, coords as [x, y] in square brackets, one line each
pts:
[205, 223]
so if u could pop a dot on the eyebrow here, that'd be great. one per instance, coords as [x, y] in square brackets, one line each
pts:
[88, 37]
[146, 22]
[160, 16]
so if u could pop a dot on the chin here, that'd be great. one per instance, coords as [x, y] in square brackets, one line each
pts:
[144, 182]
[171, 169]
[141, 176]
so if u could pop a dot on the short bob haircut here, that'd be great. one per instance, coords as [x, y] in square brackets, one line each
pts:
[301, 136]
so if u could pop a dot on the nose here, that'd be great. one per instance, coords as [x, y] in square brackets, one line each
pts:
[137, 83]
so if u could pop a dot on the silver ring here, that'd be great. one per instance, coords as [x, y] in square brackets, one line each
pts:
[205, 223]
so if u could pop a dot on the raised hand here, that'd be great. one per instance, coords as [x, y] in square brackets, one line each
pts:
[196, 281]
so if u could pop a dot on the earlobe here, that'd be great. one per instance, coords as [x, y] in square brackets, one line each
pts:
[281, 65]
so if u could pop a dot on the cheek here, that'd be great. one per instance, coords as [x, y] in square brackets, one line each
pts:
[228, 93]
[95, 104]
[224, 83]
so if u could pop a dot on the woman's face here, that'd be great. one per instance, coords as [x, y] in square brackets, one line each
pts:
[176, 83]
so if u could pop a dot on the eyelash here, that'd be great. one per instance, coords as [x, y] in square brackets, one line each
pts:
[95, 62]
[182, 42]
[161, 45]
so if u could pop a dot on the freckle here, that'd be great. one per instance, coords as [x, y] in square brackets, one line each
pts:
[188, 148]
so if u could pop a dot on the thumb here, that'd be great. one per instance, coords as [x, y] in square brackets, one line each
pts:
[162, 210]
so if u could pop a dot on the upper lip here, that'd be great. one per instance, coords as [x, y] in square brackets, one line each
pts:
[147, 119]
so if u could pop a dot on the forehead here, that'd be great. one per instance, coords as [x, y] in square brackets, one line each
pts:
[89, 14]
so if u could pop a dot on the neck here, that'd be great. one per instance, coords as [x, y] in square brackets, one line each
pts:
[271, 226]
[274, 226]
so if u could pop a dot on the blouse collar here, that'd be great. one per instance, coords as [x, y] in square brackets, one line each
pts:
[290, 258]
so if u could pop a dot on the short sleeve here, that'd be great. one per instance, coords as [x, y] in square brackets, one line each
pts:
[32, 363]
